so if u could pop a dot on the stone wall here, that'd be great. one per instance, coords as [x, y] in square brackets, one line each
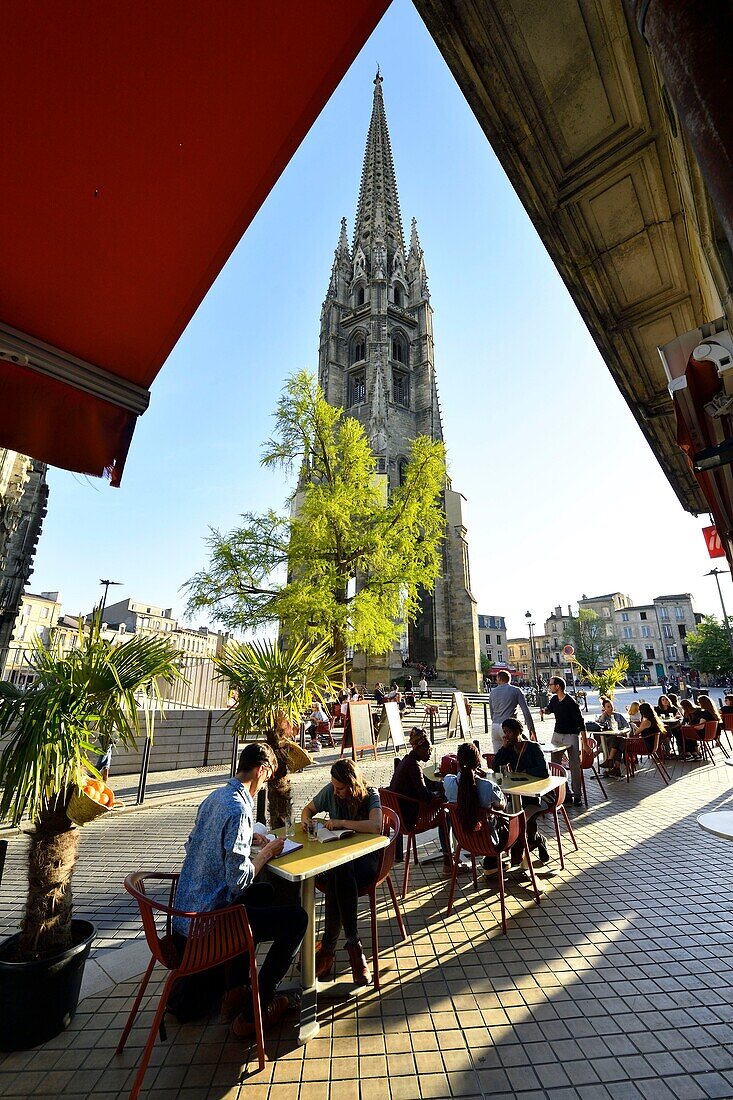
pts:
[184, 739]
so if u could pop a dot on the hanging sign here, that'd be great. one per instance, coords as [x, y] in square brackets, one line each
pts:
[713, 543]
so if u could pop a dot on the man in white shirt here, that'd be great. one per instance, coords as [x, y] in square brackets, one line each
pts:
[503, 702]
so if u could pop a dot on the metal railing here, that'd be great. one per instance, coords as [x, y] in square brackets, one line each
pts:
[200, 688]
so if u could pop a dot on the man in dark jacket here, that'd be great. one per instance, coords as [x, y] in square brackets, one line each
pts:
[525, 757]
[408, 779]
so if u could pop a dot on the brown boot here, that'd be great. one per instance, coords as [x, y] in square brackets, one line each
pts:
[359, 968]
[243, 1028]
[232, 1004]
[324, 961]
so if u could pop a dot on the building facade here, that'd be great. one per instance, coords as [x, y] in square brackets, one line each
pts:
[376, 360]
[493, 639]
[23, 503]
[519, 656]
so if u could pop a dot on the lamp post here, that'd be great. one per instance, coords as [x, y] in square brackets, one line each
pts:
[716, 573]
[528, 617]
[107, 585]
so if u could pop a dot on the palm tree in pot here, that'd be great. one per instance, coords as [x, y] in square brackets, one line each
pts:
[49, 730]
[274, 688]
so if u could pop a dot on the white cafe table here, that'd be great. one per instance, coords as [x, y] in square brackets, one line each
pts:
[719, 822]
[304, 866]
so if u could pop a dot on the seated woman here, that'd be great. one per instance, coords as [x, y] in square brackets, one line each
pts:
[710, 712]
[409, 780]
[470, 793]
[727, 707]
[692, 718]
[350, 804]
[527, 758]
[633, 713]
[650, 726]
[665, 709]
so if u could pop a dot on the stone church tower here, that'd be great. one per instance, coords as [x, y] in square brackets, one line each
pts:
[376, 360]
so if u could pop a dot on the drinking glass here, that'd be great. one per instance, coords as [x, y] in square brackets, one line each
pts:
[289, 827]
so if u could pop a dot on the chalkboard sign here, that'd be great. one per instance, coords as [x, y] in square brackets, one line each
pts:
[390, 724]
[458, 720]
[359, 730]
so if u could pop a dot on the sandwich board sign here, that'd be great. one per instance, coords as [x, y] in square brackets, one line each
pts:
[390, 723]
[358, 729]
[458, 718]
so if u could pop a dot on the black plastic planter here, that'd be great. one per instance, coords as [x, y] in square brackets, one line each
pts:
[38, 999]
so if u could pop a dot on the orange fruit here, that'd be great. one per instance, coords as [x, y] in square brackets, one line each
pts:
[104, 798]
[96, 784]
[93, 793]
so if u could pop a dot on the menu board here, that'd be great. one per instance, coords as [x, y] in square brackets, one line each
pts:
[458, 720]
[359, 730]
[390, 725]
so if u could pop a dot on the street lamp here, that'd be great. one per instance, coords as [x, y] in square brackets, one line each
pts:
[528, 617]
[107, 585]
[716, 573]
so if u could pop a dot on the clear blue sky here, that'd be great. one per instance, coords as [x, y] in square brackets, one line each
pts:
[563, 495]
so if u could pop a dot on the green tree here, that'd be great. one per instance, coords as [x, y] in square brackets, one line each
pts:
[633, 658]
[709, 647]
[274, 687]
[605, 682]
[587, 633]
[346, 561]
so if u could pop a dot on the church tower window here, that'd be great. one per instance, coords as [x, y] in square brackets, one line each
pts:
[399, 348]
[357, 387]
[401, 388]
[398, 295]
[357, 348]
[360, 295]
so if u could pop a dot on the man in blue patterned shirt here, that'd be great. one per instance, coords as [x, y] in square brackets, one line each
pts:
[220, 869]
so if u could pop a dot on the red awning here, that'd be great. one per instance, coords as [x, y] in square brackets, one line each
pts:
[138, 142]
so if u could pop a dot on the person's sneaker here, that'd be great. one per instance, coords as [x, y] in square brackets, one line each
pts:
[577, 801]
[242, 1028]
[359, 968]
[542, 853]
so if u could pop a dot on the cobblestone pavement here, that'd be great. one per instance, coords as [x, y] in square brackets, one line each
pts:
[618, 987]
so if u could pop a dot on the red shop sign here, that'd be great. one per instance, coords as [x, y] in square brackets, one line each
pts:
[713, 543]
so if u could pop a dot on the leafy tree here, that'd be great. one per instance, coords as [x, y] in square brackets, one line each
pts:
[587, 633]
[48, 731]
[274, 687]
[633, 657]
[346, 562]
[605, 682]
[709, 647]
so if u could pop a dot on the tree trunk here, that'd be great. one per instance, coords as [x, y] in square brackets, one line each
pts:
[46, 927]
[279, 794]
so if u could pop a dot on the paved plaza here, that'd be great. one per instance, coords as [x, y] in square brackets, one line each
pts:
[620, 985]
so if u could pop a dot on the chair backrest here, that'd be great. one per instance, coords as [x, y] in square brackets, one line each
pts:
[391, 828]
[213, 938]
[559, 794]
[588, 752]
[489, 758]
[728, 722]
[161, 945]
[711, 731]
[478, 841]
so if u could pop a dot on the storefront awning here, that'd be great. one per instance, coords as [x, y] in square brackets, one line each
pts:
[138, 143]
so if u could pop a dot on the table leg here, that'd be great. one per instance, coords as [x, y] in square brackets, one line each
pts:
[309, 1026]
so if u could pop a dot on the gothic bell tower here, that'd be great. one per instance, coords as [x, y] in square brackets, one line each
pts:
[376, 361]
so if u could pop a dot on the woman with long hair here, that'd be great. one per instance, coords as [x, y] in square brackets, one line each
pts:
[666, 709]
[470, 792]
[650, 727]
[350, 804]
[692, 717]
[710, 712]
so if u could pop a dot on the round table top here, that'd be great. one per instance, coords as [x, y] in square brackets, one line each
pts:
[719, 822]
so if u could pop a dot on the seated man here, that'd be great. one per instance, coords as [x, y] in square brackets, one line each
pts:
[409, 780]
[609, 722]
[220, 869]
[525, 757]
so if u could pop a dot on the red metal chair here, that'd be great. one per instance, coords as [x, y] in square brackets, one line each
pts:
[213, 938]
[707, 738]
[557, 808]
[390, 825]
[489, 758]
[477, 842]
[588, 754]
[727, 728]
[637, 746]
[429, 816]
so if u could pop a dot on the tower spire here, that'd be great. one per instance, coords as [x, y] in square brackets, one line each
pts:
[378, 208]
